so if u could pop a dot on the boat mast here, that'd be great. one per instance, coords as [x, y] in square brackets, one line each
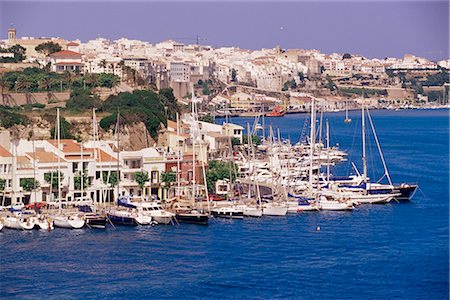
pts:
[311, 146]
[82, 172]
[327, 125]
[363, 132]
[94, 130]
[118, 158]
[386, 171]
[178, 159]
[194, 127]
[59, 159]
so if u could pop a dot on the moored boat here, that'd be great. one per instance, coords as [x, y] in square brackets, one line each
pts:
[228, 212]
[192, 217]
[19, 222]
[68, 221]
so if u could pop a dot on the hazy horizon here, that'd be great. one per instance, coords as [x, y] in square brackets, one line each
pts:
[372, 29]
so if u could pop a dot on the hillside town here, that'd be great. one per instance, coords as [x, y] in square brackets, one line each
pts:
[233, 80]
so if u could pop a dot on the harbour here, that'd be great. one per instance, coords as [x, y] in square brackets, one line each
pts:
[351, 247]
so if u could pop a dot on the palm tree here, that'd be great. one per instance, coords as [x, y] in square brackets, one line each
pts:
[68, 78]
[91, 79]
[45, 83]
[103, 64]
[23, 83]
[3, 84]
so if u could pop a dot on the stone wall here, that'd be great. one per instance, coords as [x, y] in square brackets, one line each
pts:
[53, 99]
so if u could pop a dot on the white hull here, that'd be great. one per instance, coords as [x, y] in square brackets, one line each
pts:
[44, 224]
[274, 210]
[1, 226]
[335, 205]
[163, 219]
[19, 224]
[310, 207]
[371, 199]
[143, 220]
[68, 222]
[253, 212]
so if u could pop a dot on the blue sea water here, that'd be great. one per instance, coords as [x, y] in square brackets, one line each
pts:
[397, 250]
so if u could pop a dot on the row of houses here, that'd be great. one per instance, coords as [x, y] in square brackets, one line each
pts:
[100, 164]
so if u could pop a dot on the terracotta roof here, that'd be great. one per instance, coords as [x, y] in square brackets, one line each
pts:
[72, 44]
[22, 160]
[105, 157]
[4, 152]
[69, 63]
[65, 53]
[68, 146]
[44, 156]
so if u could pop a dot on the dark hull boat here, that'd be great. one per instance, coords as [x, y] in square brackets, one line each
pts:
[228, 213]
[406, 191]
[122, 220]
[96, 221]
[192, 217]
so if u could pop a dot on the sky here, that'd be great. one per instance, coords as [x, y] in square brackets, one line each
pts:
[370, 28]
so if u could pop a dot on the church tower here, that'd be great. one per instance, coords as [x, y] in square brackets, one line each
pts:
[11, 36]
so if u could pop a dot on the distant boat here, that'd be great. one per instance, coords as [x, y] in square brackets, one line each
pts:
[278, 111]
[347, 119]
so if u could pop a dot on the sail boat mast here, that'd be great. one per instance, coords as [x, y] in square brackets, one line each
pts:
[59, 159]
[118, 157]
[363, 133]
[311, 146]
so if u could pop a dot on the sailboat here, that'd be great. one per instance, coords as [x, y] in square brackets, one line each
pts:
[324, 203]
[125, 214]
[69, 221]
[347, 119]
[367, 192]
[192, 215]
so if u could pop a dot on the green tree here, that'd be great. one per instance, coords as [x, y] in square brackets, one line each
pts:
[235, 141]
[112, 179]
[66, 128]
[82, 99]
[233, 75]
[206, 118]
[52, 178]
[219, 170]
[346, 56]
[19, 52]
[107, 80]
[141, 178]
[29, 184]
[48, 48]
[103, 64]
[256, 140]
[168, 177]
[205, 90]
[77, 181]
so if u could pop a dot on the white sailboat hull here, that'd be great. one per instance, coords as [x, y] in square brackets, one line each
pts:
[335, 205]
[45, 224]
[371, 199]
[274, 210]
[252, 212]
[19, 224]
[68, 222]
